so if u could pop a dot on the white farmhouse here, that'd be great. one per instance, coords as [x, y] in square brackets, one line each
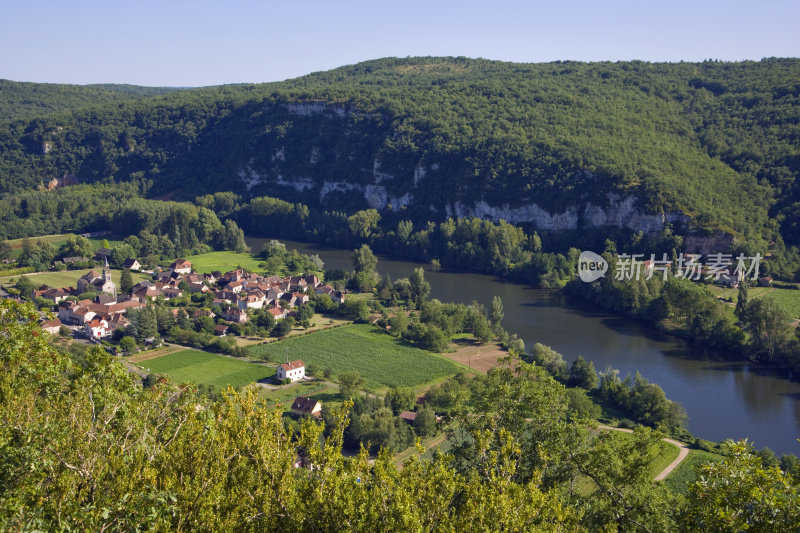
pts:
[295, 370]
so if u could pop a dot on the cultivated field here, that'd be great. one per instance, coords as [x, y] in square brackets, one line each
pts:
[479, 357]
[787, 299]
[69, 278]
[224, 262]
[202, 367]
[380, 358]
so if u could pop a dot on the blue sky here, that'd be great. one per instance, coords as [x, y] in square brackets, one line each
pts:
[194, 43]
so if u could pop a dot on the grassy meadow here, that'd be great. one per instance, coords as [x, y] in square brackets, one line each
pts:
[202, 367]
[686, 473]
[224, 261]
[380, 358]
[69, 278]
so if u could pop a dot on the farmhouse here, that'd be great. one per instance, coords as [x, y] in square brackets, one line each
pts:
[181, 266]
[51, 326]
[296, 370]
[409, 416]
[132, 264]
[303, 406]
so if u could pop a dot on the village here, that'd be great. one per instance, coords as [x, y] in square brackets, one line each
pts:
[236, 292]
[229, 301]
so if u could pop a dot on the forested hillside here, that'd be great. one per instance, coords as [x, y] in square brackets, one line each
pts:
[556, 146]
[25, 100]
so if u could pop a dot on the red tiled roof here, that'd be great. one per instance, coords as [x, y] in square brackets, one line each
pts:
[293, 365]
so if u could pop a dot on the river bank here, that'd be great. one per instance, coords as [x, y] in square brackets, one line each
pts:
[724, 399]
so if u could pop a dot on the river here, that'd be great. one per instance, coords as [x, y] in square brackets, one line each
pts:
[724, 399]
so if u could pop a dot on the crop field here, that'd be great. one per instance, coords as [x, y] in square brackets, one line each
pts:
[380, 358]
[69, 278]
[223, 261]
[788, 300]
[202, 367]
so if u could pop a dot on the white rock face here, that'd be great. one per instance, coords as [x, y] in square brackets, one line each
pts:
[250, 177]
[526, 213]
[419, 173]
[315, 108]
[298, 184]
[621, 212]
[338, 186]
[377, 197]
[377, 174]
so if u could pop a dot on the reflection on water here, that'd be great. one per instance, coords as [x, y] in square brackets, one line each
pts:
[724, 399]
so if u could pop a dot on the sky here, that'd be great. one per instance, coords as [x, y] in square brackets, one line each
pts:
[197, 43]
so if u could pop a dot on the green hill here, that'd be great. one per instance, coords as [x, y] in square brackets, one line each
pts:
[556, 146]
[21, 100]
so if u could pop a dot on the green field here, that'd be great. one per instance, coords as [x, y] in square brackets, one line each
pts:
[57, 240]
[69, 278]
[380, 358]
[223, 261]
[202, 367]
[315, 389]
[680, 478]
[787, 299]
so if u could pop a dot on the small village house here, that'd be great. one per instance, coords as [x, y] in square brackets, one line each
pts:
[303, 406]
[295, 370]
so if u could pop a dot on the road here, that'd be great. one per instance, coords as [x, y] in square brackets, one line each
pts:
[682, 453]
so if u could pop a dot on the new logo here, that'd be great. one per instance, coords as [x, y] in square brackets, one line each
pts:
[591, 266]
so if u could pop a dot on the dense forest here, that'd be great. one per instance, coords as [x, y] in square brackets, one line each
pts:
[709, 146]
[21, 100]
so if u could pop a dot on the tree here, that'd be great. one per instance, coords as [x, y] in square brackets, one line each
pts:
[127, 344]
[282, 327]
[739, 493]
[768, 326]
[125, 282]
[582, 374]
[496, 312]
[425, 422]
[623, 496]
[349, 383]
[420, 289]
[404, 230]
[550, 360]
[398, 323]
[741, 300]
[400, 399]
[5, 251]
[120, 253]
[362, 223]
[364, 260]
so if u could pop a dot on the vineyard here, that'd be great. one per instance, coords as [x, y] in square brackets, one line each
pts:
[381, 359]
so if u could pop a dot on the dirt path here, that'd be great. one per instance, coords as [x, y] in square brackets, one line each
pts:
[682, 453]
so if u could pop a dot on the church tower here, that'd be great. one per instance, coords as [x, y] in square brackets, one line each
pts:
[108, 285]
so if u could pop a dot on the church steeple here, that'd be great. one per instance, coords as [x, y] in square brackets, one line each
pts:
[108, 285]
[106, 272]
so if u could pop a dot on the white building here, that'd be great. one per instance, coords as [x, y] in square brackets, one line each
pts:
[295, 370]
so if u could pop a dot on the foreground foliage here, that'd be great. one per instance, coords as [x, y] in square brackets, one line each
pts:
[84, 447]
